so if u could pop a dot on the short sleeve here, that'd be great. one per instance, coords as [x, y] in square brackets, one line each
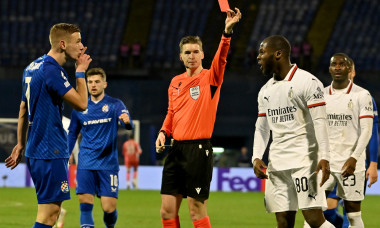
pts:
[314, 93]
[365, 105]
[56, 80]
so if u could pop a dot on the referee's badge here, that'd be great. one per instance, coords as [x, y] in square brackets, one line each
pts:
[105, 108]
[350, 104]
[291, 93]
[195, 92]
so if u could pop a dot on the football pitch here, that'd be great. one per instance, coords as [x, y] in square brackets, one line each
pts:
[141, 209]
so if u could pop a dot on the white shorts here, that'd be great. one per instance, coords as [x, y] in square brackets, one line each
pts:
[290, 190]
[348, 188]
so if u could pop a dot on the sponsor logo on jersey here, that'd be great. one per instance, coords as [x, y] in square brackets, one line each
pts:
[282, 114]
[105, 108]
[341, 116]
[65, 187]
[195, 92]
[99, 121]
[267, 98]
[318, 94]
[338, 119]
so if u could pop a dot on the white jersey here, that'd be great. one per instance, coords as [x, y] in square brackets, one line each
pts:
[344, 110]
[285, 104]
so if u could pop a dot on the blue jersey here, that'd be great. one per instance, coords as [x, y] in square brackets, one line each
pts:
[44, 84]
[373, 145]
[98, 126]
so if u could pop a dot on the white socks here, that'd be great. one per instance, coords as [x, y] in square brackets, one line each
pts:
[326, 224]
[355, 219]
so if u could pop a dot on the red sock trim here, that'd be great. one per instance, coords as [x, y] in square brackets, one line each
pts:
[171, 223]
[202, 223]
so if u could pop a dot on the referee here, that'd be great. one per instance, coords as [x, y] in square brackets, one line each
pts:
[193, 101]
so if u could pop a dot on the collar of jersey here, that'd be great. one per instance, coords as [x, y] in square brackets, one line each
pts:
[348, 88]
[290, 74]
[48, 58]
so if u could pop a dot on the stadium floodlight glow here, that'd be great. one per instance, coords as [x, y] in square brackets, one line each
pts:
[218, 150]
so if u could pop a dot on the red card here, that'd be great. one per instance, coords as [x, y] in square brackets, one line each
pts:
[224, 5]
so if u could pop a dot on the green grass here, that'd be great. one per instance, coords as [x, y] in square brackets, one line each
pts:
[141, 209]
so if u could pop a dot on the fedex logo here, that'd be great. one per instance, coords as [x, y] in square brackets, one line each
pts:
[237, 179]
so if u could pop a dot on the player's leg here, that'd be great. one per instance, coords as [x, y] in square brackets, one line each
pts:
[285, 219]
[109, 208]
[86, 182]
[353, 210]
[311, 197]
[61, 218]
[108, 191]
[50, 178]
[332, 214]
[128, 175]
[135, 175]
[351, 190]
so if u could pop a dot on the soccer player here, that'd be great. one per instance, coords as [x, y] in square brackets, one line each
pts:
[332, 213]
[98, 165]
[292, 106]
[45, 86]
[193, 100]
[131, 153]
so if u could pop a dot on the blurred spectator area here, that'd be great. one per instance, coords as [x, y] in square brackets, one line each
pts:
[25, 28]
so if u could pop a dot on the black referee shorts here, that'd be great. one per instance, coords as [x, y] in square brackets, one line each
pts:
[188, 169]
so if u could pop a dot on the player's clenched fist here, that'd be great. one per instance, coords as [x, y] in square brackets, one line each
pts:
[125, 118]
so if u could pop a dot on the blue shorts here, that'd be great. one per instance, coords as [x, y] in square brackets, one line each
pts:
[99, 182]
[50, 178]
[333, 194]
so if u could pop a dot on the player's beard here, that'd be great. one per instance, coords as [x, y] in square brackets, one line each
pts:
[268, 68]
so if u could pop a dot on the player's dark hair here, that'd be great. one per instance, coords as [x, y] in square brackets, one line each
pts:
[278, 42]
[190, 40]
[96, 71]
[349, 61]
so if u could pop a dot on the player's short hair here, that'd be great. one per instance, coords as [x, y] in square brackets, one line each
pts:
[278, 42]
[190, 40]
[349, 61]
[96, 71]
[62, 31]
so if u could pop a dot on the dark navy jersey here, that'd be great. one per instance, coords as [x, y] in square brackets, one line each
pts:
[98, 126]
[44, 84]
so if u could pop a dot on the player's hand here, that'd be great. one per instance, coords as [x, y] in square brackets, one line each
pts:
[323, 165]
[258, 166]
[14, 159]
[160, 142]
[349, 167]
[372, 173]
[83, 61]
[125, 118]
[232, 19]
